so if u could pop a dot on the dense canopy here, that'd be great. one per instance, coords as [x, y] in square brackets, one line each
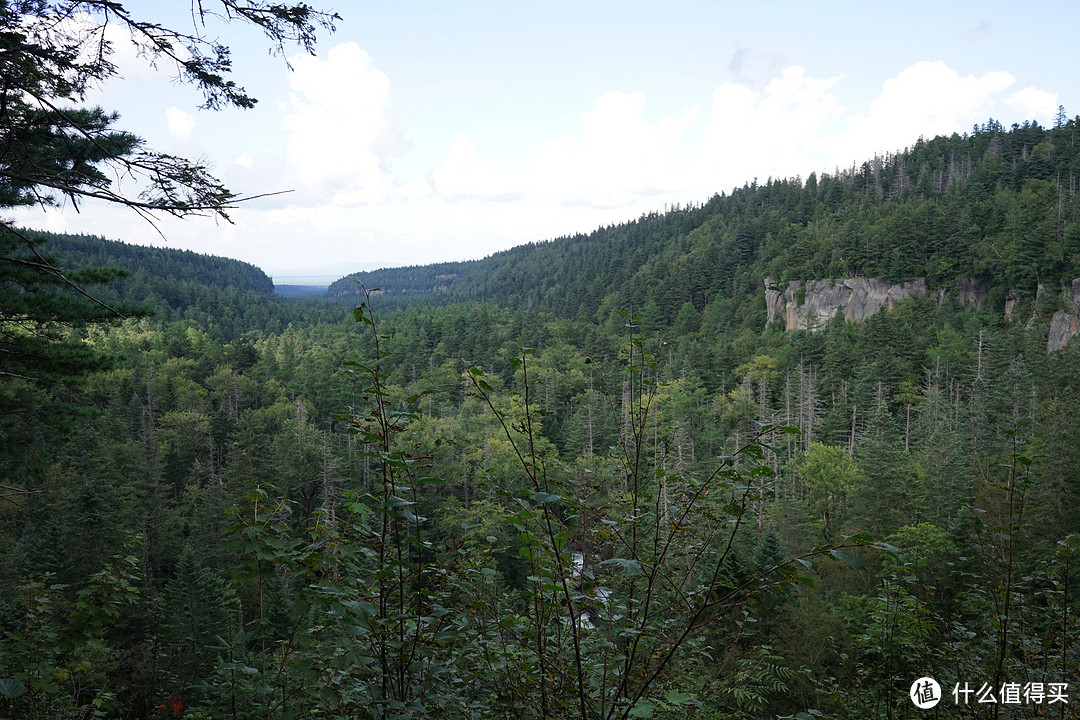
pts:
[582, 478]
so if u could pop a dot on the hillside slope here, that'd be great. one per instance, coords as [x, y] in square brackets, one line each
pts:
[227, 296]
[995, 204]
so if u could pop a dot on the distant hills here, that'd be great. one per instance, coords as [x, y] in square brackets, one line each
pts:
[300, 290]
[154, 264]
[226, 297]
[996, 204]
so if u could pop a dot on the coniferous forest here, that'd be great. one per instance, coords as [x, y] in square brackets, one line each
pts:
[648, 471]
[588, 478]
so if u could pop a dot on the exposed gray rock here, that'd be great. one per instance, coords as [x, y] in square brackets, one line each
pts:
[970, 292]
[1062, 327]
[1065, 323]
[1010, 303]
[857, 298]
[1042, 298]
[774, 299]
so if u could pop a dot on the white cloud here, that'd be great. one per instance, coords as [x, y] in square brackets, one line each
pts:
[794, 125]
[181, 124]
[773, 133]
[459, 175]
[339, 129]
[621, 156]
[413, 191]
[259, 173]
[926, 99]
[1032, 103]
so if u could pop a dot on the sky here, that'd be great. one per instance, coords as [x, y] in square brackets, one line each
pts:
[430, 131]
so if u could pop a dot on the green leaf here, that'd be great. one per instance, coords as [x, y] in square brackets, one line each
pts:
[545, 498]
[734, 509]
[853, 560]
[410, 517]
[11, 688]
[642, 709]
[754, 451]
[676, 697]
[630, 567]
[429, 480]
[891, 549]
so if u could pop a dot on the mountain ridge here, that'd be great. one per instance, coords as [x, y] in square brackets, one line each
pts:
[996, 204]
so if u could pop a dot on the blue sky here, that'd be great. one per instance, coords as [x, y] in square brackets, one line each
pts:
[432, 131]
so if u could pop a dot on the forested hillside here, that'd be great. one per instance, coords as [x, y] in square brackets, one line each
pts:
[998, 204]
[581, 478]
[225, 297]
[151, 264]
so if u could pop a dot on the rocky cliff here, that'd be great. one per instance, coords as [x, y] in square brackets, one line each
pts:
[1065, 323]
[811, 306]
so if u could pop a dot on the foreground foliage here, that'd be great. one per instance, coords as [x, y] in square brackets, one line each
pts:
[544, 532]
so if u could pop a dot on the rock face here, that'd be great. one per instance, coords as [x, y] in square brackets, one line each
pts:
[859, 298]
[856, 298]
[969, 292]
[1065, 323]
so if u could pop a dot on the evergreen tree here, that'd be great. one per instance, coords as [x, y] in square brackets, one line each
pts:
[195, 608]
[53, 149]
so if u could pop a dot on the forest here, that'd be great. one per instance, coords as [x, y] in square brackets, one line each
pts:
[580, 478]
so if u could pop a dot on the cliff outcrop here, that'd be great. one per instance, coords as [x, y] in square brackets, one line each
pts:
[812, 306]
[1065, 323]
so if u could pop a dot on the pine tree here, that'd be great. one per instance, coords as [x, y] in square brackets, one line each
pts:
[195, 614]
[53, 149]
